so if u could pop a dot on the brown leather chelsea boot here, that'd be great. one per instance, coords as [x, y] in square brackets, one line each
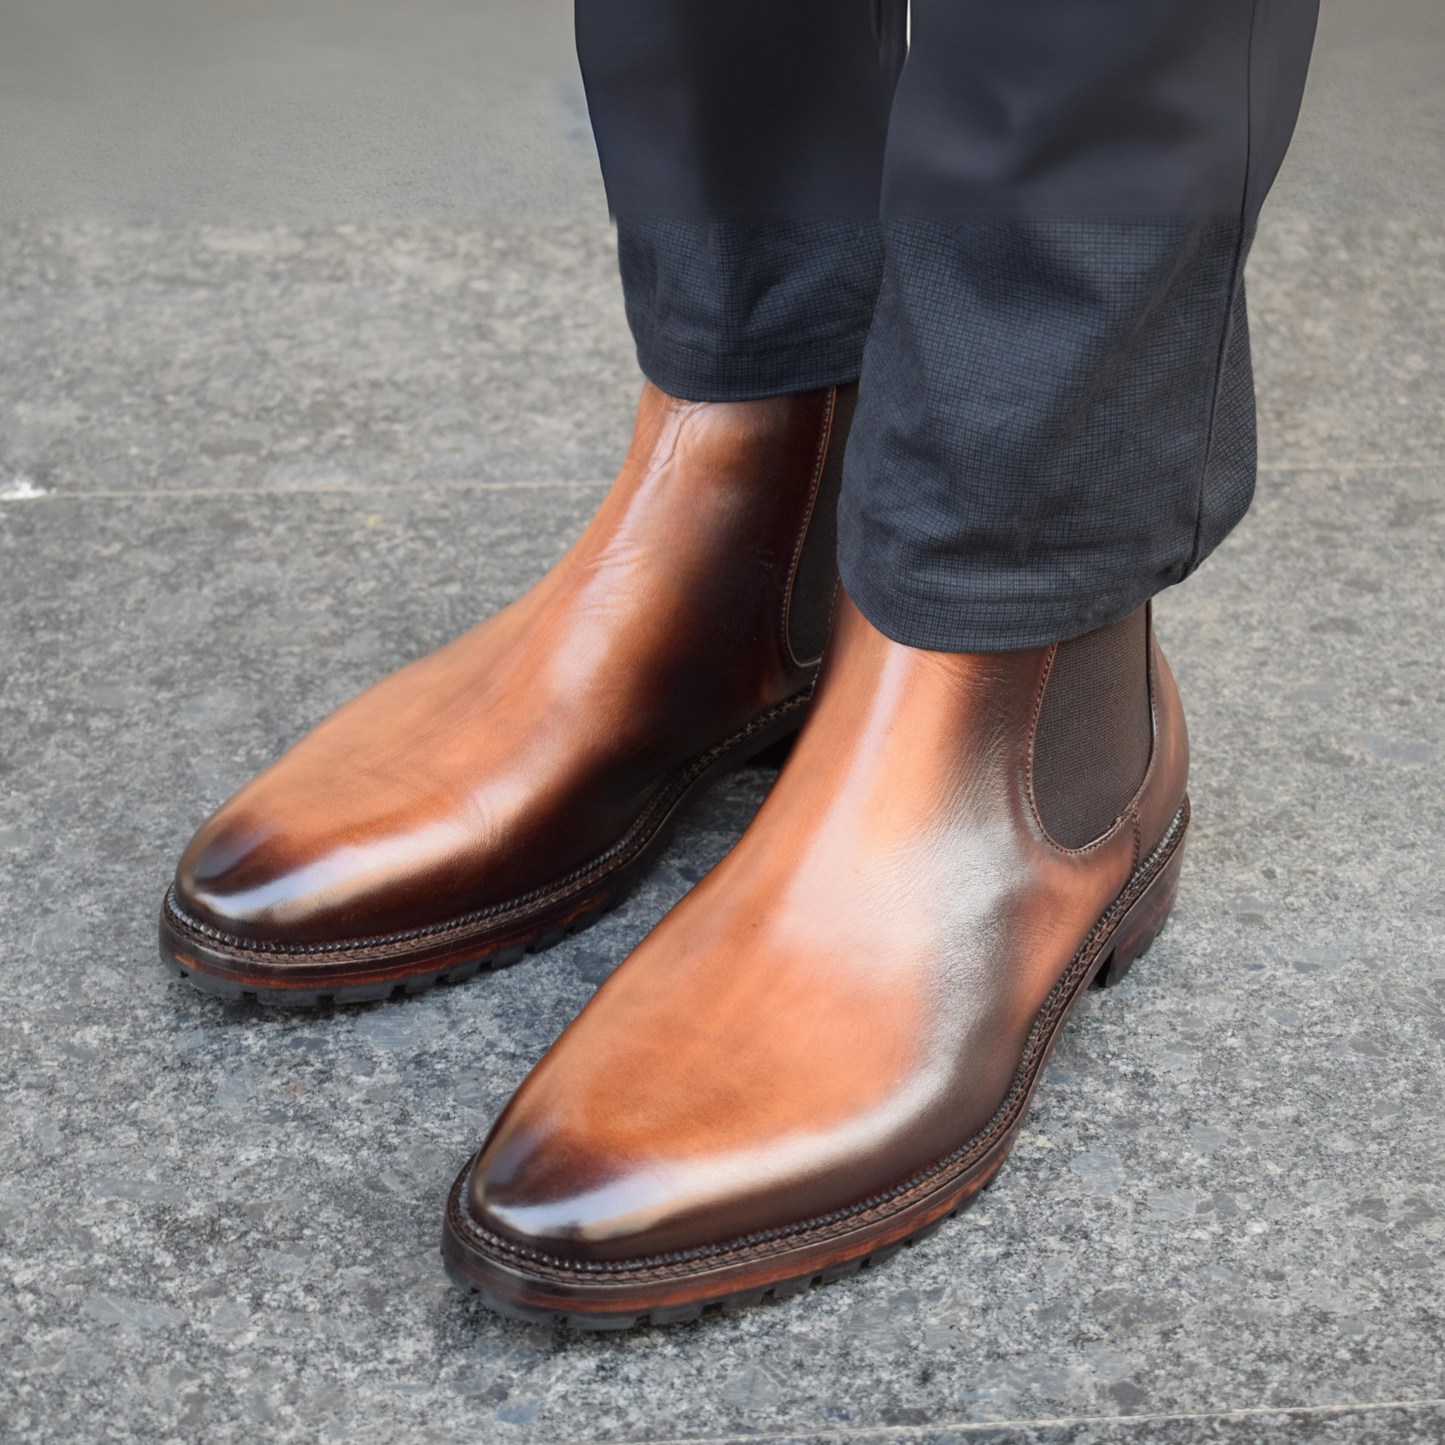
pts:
[828, 1046]
[506, 790]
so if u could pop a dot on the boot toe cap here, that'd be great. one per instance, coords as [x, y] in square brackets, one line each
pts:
[245, 877]
[556, 1200]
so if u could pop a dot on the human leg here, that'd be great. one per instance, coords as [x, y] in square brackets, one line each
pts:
[508, 789]
[742, 147]
[828, 1045]
[1057, 410]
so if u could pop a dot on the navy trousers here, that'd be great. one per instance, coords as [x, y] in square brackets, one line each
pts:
[1026, 240]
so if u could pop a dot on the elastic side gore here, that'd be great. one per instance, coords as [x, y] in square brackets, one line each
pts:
[1095, 731]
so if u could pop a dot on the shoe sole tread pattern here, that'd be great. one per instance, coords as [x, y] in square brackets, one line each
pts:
[695, 1309]
[487, 1264]
[313, 975]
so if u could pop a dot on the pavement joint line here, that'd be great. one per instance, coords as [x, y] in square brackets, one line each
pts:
[372, 488]
[1048, 1422]
[1326, 466]
[361, 489]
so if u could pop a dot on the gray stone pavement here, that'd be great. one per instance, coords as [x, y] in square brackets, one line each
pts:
[259, 446]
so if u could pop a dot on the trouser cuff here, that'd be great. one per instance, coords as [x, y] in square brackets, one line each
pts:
[733, 310]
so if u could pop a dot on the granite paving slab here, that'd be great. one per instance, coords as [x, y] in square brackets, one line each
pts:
[220, 1222]
[274, 421]
[326, 357]
[450, 110]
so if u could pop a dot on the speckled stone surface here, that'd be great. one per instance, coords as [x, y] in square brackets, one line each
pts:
[220, 358]
[247, 468]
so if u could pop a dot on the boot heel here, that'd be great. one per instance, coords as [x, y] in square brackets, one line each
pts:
[1140, 926]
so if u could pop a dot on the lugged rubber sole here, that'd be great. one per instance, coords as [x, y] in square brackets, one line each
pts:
[369, 992]
[695, 1309]
[365, 969]
[526, 1284]
[781, 1290]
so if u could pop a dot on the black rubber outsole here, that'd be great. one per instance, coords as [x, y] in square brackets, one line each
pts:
[237, 991]
[722, 1304]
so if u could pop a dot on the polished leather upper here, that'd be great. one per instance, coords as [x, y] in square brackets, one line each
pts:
[528, 745]
[845, 998]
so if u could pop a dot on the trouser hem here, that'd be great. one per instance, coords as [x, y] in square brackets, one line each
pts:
[692, 374]
[986, 621]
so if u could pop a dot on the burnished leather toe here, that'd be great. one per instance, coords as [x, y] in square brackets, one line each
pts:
[241, 875]
[829, 1043]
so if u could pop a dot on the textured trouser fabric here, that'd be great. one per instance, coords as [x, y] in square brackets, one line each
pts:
[1029, 247]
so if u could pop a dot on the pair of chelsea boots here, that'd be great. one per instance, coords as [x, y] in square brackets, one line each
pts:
[828, 1045]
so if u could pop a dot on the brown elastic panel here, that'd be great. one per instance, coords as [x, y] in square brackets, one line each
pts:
[1095, 731]
[810, 605]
